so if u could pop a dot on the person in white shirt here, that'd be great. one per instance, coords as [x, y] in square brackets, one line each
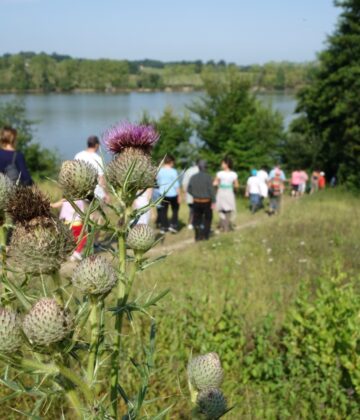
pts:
[189, 199]
[253, 191]
[263, 178]
[227, 183]
[91, 156]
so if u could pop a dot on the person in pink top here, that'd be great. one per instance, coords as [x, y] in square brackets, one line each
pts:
[296, 180]
[304, 179]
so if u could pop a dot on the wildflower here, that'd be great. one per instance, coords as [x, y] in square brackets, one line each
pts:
[94, 275]
[271, 260]
[269, 250]
[124, 135]
[10, 332]
[47, 323]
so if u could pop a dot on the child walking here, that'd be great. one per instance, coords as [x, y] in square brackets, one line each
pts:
[73, 219]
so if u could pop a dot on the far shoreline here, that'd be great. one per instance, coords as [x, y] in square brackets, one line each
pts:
[184, 89]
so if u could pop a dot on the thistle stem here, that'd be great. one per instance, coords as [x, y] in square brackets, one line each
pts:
[3, 247]
[115, 358]
[57, 369]
[94, 339]
[75, 402]
[57, 283]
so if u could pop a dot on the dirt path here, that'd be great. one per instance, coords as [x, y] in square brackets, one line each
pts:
[164, 248]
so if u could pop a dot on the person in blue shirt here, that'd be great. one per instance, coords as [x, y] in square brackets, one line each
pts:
[169, 186]
[12, 161]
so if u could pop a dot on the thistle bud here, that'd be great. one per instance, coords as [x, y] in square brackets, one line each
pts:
[46, 323]
[205, 371]
[6, 187]
[141, 238]
[40, 246]
[131, 170]
[78, 179]
[94, 276]
[10, 332]
[211, 403]
[27, 203]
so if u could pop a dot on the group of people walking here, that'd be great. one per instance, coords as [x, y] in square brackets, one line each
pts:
[261, 185]
[202, 192]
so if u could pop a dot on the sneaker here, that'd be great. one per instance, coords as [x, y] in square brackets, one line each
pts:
[162, 231]
[76, 256]
[172, 230]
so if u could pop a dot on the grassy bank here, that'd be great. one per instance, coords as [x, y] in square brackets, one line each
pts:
[248, 295]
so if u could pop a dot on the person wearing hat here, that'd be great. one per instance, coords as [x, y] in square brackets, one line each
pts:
[201, 188]
[253, 191]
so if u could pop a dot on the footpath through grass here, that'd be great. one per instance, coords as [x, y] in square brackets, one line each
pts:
[253, 297]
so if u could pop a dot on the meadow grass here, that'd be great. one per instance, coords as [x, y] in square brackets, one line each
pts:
[223, 289]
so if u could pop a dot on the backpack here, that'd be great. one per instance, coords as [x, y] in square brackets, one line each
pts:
[11, 170]
[276, 185]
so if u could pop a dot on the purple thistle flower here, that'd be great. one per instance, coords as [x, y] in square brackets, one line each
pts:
[126, 134]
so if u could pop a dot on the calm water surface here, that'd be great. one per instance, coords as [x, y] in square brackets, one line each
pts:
[66, 120]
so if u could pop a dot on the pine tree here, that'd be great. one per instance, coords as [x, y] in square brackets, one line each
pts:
[331, 103]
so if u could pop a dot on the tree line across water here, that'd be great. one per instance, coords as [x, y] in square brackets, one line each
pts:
[229, 120]
[28, 71]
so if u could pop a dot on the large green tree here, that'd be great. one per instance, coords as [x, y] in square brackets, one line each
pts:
[231, 121]
[175, 137]
[331, 103]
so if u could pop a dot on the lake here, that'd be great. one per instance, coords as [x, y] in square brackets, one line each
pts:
[64, 121]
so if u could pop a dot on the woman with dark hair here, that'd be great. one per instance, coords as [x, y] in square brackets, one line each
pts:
[12, 162]
[227, 183]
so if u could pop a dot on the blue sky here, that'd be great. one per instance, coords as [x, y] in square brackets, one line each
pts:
[241, 31]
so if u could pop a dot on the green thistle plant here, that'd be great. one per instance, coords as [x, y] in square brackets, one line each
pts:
[78, 179]
[80, 354]
[94, 276]
[47, 323]
[10, 331]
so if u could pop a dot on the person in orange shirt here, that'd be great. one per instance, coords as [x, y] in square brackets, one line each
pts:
[322, 181]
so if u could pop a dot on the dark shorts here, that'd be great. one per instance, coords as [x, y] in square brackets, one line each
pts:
[295, 187]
